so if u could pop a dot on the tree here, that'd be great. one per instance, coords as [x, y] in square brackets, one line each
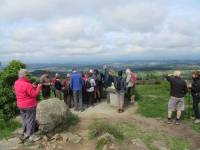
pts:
[8, 76]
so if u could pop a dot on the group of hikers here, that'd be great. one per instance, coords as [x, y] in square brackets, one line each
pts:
[85, 89]
[79, 90]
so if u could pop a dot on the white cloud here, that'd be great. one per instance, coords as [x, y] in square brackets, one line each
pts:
[96, 29]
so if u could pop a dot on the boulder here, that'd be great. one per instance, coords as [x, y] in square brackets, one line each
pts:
[51, 113]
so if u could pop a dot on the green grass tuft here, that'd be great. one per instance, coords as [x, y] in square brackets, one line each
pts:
[6, 128]
[98, 128]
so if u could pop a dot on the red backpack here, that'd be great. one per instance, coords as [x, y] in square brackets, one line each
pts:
[133, 78]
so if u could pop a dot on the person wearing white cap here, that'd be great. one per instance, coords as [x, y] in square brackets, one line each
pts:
[178, 90]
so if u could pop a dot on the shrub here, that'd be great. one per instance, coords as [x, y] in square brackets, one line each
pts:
[7, 97]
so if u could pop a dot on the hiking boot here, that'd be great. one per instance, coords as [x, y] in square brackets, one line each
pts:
[33, 138]
[177, 122]
[23, 138]
[197, 121]
[169, 120]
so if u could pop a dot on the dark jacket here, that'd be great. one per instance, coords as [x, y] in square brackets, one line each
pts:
[120, 84]
[178, 87]
[196, 87]
[76, 82]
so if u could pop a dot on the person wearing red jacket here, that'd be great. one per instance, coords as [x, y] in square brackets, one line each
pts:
[26, 94]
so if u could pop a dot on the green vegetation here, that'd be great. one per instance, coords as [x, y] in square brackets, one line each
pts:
[71, 120]
[7, 97]
[7, 127]
[128, 131]
[98, 128]
[153, 99]
[148, 137]
[196, 127]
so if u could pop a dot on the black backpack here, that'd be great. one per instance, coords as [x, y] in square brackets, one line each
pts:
[119, 84]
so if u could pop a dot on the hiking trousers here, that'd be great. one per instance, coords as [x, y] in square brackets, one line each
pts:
[78, 101]
[196, 100]
[120, 98]
[29, 120]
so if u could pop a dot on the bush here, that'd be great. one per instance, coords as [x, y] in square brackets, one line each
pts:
[7, 97]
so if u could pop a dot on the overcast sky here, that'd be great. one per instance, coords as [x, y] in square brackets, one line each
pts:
[77, 30]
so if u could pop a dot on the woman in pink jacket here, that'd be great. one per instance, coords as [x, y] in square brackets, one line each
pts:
[26, 94]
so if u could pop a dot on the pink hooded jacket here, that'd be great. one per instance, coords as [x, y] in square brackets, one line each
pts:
[25, 93]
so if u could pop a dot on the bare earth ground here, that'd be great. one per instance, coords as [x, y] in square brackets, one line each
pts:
[106, 112]
[103, 111]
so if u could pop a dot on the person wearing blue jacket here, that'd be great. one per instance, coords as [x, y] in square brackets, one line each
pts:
[76, 84]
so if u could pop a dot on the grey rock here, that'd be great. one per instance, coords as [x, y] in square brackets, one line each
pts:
[105, 139]
[51, 113]
[72, 138]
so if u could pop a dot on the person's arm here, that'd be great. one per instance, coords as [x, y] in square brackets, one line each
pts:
[169, 77]
[32, 92]
[71, 83]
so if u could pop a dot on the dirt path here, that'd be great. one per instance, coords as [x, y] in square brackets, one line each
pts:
[106, 112]
[103, 111]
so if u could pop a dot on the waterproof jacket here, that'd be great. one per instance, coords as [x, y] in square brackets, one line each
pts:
[76, 82]
[120, 84]
[25, 93]
[178, 87]
[196, 87]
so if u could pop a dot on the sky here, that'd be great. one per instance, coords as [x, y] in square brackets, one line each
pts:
[53, 31]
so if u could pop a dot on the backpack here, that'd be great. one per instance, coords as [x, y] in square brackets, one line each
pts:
[88, 84]
[119, 85]
[133, 78]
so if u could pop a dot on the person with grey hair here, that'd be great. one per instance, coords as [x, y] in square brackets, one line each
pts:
[178, 90]
[26, 94]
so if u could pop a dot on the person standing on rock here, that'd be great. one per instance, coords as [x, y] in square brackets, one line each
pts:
[76, 84]
[196, 95]
[26, 94]
[178, 90]
[120, 86]
[46, 85]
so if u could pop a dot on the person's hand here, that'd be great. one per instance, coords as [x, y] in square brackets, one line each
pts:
[39, 85]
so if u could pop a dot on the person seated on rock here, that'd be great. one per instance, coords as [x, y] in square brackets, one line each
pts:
[120, 86]
[26, 94]
[178, 90]
[196, 95]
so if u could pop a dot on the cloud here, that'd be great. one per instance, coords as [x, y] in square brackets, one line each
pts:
[91, 29]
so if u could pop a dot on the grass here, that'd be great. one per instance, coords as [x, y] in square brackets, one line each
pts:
[6, 128]
[98, 128]
[196, 127]
[128, 131]
[131, 132]
[153, 99]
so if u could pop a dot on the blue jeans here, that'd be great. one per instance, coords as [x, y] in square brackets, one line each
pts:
[78, 101]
